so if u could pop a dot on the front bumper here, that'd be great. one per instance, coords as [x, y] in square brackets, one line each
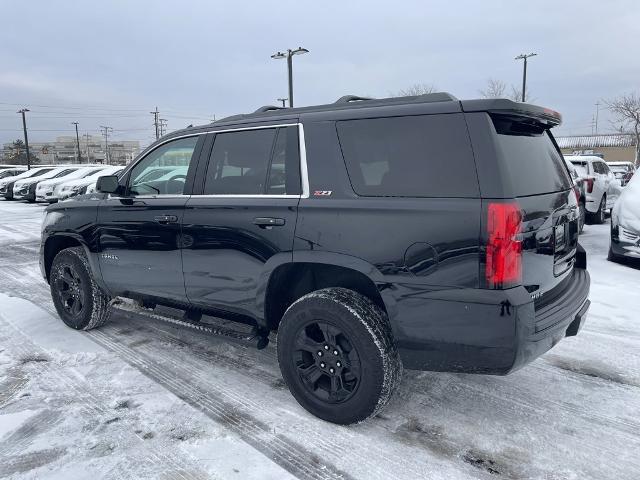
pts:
[625, 242]
[46, 196]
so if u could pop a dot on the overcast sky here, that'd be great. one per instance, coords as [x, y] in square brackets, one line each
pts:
[112, 62]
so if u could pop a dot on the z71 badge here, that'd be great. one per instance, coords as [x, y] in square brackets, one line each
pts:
[322, 193]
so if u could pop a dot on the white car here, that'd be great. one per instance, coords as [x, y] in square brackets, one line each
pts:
[625, 223]
[12, 171]
[623, 171]
[7, 183]
[76, 187]
[601, 187]
[45, 191]
[26, 189]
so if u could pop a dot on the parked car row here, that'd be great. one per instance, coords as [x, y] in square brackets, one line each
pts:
[601, 187]
[50, 183]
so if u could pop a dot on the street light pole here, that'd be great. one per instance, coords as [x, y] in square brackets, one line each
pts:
[282, 100]
[288, 55]
[78, 156]
[524, 57]
[26, 138]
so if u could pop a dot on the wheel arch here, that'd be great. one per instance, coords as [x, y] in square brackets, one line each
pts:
[311, 271]
[54, 244]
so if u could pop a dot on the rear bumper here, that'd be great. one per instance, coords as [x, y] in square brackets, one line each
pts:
[489, 331]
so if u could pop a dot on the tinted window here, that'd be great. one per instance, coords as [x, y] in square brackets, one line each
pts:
[254, 162]
[418, 156]
[164, 170]
[64, 173]
[531, 159]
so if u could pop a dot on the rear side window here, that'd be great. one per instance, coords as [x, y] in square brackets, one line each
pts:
[416, 156]
[254, 162]
[531, 159]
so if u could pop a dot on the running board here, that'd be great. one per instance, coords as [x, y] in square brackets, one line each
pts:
[257, 336]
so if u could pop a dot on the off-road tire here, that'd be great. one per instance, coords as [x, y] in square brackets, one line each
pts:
[71, 265]
[365, 328]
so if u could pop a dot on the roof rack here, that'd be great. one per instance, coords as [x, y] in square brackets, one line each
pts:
[436, 97]
[351, 98]
[268, 108]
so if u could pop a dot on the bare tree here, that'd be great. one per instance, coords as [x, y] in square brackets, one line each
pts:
[516, 94]
[415, 89]
[495, 89]
[626, 109]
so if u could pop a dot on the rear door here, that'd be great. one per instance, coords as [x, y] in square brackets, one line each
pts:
[242, 220]
[139, 230]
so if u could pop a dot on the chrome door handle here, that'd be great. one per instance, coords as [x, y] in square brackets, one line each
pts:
[165, 219]
[263, 222]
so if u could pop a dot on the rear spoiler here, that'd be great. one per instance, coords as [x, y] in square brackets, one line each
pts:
[501, 106]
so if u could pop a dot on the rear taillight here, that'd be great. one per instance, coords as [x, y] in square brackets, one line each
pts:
[576, 190]
[590, 181]
[504, 251]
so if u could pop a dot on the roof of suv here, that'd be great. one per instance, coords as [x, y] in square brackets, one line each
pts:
[440, 102]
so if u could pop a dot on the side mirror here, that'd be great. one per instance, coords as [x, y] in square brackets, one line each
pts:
[107, 184]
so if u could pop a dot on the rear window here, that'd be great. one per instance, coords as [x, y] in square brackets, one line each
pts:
[417, 156]
[581, 167]
[532, 161]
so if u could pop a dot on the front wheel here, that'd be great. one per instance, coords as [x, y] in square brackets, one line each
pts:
[79, 301]
[337, 355]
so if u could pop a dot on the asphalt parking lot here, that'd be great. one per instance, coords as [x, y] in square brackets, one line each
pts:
[140, 399]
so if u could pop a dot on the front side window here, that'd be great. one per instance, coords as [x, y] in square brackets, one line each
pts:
[164, 170]
[254, 162]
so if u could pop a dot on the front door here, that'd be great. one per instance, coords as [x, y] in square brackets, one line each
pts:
[241, 224]
[139, 231]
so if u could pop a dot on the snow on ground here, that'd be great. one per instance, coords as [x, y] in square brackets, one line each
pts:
[140, 399]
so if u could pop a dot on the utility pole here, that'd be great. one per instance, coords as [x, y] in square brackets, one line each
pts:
[163, 126]
[78, 154]
[289, 56]
[155, 114]
[597, 112]
[282, 100]
[26, 138]
[105, 133]
[86, 136]
[524, 57]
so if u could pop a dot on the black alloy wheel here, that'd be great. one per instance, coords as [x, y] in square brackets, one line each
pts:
[327, 362]
[70, 291]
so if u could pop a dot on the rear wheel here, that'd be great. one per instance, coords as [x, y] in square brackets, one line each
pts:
[79, 301]
[337, 355]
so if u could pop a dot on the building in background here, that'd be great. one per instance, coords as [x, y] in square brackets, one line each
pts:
[63, 150]
[614, 147]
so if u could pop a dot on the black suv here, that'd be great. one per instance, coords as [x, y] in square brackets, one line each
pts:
[425, 231]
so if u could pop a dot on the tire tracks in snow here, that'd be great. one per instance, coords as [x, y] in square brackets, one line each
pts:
[327, 442]
[92, 406]
[291, 456]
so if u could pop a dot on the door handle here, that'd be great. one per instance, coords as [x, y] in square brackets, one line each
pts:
[165, 219]
[264, 222]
